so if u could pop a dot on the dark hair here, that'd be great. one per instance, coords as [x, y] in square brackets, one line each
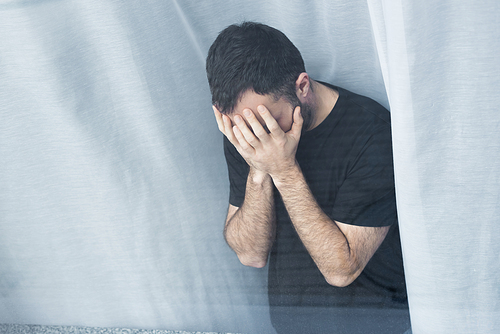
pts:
[252, 56]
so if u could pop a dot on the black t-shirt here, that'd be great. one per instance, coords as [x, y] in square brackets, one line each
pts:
[347, 163]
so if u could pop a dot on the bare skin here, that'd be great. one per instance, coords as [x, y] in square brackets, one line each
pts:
[341, 251]
[250, 229]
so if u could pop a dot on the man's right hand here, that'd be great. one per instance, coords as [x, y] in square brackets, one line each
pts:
[250, 229]
[226, 127]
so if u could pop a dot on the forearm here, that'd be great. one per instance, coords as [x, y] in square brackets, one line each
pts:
[251, 230]
[323, 239]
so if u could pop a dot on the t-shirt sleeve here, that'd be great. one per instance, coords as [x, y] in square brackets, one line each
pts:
[367, 196]
[238, 170]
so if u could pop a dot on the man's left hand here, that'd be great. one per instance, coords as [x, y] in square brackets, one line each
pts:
[273, 152]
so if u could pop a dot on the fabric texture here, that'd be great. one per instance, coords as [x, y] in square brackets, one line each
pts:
[113, 186]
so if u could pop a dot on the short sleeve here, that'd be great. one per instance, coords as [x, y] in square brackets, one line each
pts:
[366, 197]
[238, 170]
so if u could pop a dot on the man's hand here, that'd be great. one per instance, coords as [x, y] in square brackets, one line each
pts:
[272, 153]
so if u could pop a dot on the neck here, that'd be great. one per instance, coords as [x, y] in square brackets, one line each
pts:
[324, 99]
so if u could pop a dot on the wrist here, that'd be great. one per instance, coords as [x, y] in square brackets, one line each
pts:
[286, 175]
[257, 176]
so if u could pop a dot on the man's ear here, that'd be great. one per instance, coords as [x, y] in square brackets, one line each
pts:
[303, 86]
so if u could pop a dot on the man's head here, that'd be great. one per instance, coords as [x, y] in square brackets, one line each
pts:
[253, 57]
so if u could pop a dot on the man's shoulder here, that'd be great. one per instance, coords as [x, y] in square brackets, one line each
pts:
[363, 105]
[367, 105]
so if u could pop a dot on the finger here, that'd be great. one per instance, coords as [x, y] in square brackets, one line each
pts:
[271, 123]
[247, 133]
[218, 118]
[256, 126]
[298, 121]
[242, 143]
[228, 130]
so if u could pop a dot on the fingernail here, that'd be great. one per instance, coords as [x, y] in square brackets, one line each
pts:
[247, 112]
[237, 118]
[261, 109]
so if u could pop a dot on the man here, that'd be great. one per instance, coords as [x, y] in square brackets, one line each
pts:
[311, 177]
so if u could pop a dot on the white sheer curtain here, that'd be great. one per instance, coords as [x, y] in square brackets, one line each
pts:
[113, 186]
[441, 71]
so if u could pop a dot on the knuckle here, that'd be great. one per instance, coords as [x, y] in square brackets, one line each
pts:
[260, 133]
[273, 127]
[252, 141]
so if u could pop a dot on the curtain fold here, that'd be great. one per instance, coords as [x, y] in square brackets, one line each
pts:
[441, 72]
[113, 185]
